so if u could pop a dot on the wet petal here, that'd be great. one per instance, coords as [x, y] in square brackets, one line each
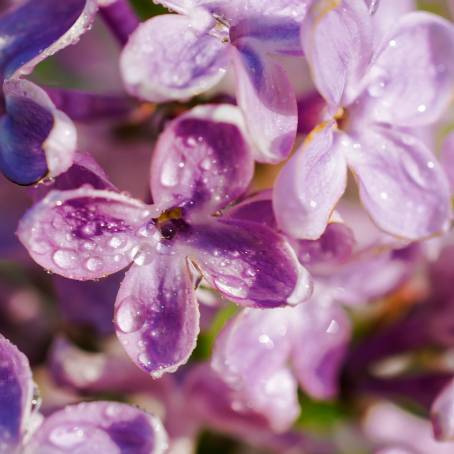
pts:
[320, 339]
[442, 413]
[156, 314]
[172, 57]
[105, 426]
[85, 233]
[36, 139]
[310, 185]
[251, 355]
[410, 81]
[85, 170]
[337, 41]
[248, 263]
[447, 159]
[401, 184]
[267, 99]
[202, 160]
[16, 392]
[51, 26]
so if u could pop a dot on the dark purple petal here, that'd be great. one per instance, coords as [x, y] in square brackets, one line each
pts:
[248, 263]
[36, 139]
[50, 26]
[202, 161]
[107, 427]
[267, 99]
[156, 314]
[84, 171]
[121, 19]
[84, 233]
[16, 393]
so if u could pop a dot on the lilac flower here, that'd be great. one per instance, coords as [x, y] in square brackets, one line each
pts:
[201, 164]
[110, 426]
[178, 56]
[263, 355]
[395, 431]
[36, 139]
[374, 95]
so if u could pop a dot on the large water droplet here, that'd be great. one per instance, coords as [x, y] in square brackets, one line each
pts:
[65, 259]
[94, 264]
[143, 254]
[236, 290]
[303, 287]
[67, 437]
[169, 174]
[128, 316]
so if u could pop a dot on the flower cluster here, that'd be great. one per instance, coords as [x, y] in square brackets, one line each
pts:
[244, 211]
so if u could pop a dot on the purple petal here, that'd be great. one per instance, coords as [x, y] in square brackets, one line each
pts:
[388, 425]
[181, 61]
[411, 78]
[16, 393]
[267, 99]
[320, 340]
[156, 314]
[83, 234]
[337, 41]
[401, 184]
[310, 184]
[36, 139]
[442, 413]
[202, 160]
[447, 159]
[85, 170]
[51, 26]
[248, 263]
[251, 355]
[107, 427]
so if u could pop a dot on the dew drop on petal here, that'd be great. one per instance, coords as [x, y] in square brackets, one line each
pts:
[67, 437]
[303, 287]
[333, 327]
[128, 316]
[236, 290]
[65, 259]
[94, 264]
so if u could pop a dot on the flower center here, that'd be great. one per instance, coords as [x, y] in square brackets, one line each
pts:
[170, 222]
[341, 117]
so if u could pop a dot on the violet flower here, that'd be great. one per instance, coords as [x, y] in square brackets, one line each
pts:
[177, 56]
[202, 163]
[264, 355]
[109, 426]
[374, 94]
[36, 139]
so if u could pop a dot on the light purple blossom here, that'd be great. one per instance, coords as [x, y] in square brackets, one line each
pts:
[109, 426]
[177, 56]
[376, 97]
[201, 164]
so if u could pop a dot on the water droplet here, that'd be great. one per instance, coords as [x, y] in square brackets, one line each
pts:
[393, 43]
[40, 247]
[422, 108]
[89, 229]
[235, 290]
[384, 195]
[128, 315]
[266, 340]
[89, 245]
[94, 264]
[313, 204]
[377, 88]
[144, 359]
[112, 411]
[67, 437]
[116, 242]
[65, 259]
[142, 254]
[430, 164]
[169, 174]
[333, 327]
[303, 287]
[206, 164]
